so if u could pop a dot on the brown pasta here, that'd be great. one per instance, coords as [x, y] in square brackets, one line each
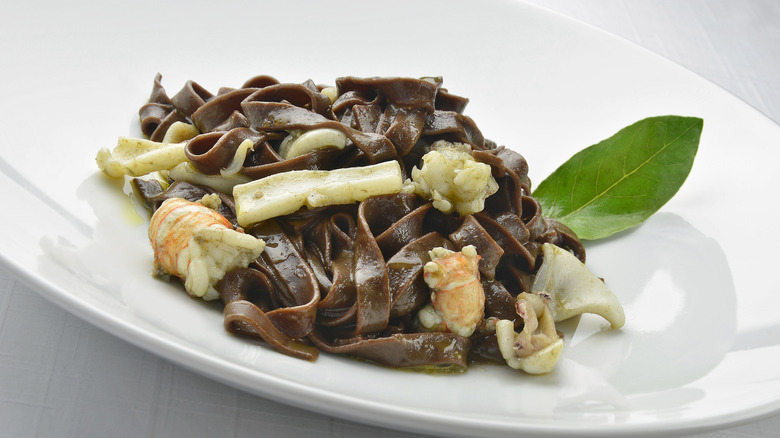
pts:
[347, 279]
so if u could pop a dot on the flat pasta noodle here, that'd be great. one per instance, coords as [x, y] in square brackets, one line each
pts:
[348, 279]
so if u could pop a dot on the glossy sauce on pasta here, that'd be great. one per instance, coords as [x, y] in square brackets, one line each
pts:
[347, 279]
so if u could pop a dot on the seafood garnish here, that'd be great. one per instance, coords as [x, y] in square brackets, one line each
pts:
[286, 192]
[452, 179]
[198, 245]
[457, 297]
[573, 290]
[138, 157]
[219, 182]
[300, 143]
[538, 346]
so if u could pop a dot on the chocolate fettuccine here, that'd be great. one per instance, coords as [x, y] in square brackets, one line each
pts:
[348, 279]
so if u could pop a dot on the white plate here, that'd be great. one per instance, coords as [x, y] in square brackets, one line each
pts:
[702, 338]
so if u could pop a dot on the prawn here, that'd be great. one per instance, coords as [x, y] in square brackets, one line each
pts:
[457, 296]
[195, 243]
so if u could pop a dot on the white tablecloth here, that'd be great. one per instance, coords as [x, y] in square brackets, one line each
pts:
[60, 376]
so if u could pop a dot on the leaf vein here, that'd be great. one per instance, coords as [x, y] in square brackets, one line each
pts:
[602, 193]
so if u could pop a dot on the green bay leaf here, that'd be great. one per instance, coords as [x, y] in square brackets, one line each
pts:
[620, 182]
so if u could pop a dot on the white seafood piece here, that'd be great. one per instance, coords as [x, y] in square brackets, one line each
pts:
[537, 348]
[331, 92]
[295, 144]
[573, 290]
[430, 319]
[452, 179]
[138, 157]
[179, 132]
[237, 163]
[197, 244]
[286, 192]
[457, 297]
[221, 183]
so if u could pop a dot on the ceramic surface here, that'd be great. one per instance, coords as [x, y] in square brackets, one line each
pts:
[702, 335]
